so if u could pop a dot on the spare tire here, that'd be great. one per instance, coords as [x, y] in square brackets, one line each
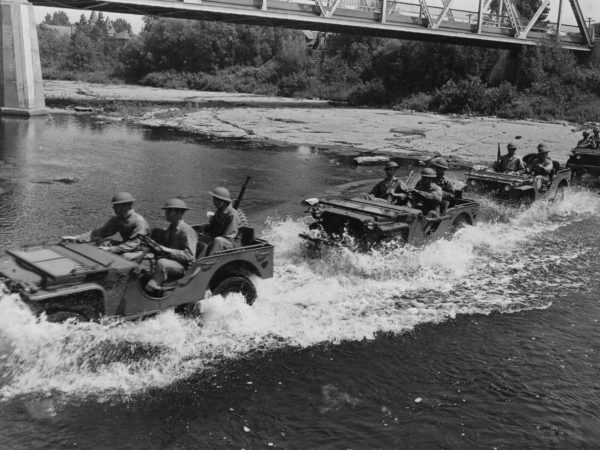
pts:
[243, 218]
[234, 285]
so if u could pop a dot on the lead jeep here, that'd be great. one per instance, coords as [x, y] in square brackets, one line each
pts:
[518, 188]
[585, 166]
[367, 223]
[84, 282]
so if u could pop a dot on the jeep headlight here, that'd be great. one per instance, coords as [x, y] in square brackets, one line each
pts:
[369, 225]
[472, 182]
[578, 157]
[507, 187]
[316, 212]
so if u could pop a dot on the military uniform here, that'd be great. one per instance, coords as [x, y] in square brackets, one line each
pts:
[223, 230]
[510, 163]
[386, 187]
[429, 196]
[542, 168]
[129, 228]
[182, 239]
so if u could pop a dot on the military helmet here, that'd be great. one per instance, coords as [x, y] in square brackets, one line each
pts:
[586, 133]
[511, 146]
[542, 149]
[175, 203]
[439, 162]
[122, 197]
[428, 173]
[221, 193]
[391, 165]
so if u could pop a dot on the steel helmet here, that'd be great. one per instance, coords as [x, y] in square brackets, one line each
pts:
[175, 203]
[221, 193]
[122, 197]
[542, 149]
[428, 173]
[586, 133]
[391, 165]
[439, 162]
[511, 146]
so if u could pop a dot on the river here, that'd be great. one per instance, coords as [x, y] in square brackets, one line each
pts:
[489, 339]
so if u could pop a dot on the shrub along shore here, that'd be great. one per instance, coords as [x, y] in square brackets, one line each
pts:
[546, 82]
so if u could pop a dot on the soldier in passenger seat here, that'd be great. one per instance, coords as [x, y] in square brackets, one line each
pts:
[223, 228]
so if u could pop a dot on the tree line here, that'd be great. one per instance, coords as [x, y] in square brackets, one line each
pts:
[544, 82]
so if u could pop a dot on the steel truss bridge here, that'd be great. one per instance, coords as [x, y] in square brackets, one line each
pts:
[21, 87]
[426, 20]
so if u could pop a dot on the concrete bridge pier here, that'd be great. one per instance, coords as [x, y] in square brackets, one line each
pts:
[21, 88]
[595, 56]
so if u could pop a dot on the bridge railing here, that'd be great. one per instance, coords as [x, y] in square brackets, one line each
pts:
[455, 18]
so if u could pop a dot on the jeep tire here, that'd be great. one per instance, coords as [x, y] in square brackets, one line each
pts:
[237, 284]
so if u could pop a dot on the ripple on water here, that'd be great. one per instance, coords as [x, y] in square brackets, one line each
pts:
[513, 261]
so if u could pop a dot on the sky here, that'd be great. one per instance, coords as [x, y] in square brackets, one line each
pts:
[590, 8]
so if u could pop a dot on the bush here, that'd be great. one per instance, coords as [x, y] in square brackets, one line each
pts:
[420, 102]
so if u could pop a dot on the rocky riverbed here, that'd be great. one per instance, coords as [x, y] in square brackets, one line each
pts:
[360, 131]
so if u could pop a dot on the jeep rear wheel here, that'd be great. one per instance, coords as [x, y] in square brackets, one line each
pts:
[237, 285]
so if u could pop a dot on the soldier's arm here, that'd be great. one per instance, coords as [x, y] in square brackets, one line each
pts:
[133, 243]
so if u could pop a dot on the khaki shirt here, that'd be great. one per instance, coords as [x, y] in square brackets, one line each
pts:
[182, 239]
[129, 228]
[542, 168]
[431, 196]
[386, 187]
[225, 223]
[511, 164]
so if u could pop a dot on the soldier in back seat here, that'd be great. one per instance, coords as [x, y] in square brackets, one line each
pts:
[223, 231]
[178, 244]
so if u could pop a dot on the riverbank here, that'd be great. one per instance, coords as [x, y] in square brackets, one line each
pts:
[315, 123]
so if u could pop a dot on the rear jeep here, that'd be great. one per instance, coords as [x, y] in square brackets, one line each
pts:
[84, 282]
[585, 166]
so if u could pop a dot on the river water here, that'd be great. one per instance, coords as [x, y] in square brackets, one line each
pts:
[489, 339]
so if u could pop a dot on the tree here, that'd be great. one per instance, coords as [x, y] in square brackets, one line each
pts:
[120, 25]
[58, 18]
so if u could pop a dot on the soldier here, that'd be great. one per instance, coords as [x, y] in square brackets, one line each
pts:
[510, 162]
[223, 227]
[178, 246]
[125, 222]
[426, 195]
[542, 167]
[390, 184]
[586, 142]
[448, 187]
[596, 138]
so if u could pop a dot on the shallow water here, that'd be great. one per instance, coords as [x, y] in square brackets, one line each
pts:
[488, 339]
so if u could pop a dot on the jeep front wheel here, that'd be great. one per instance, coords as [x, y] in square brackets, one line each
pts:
[64, 315]
[235, 285]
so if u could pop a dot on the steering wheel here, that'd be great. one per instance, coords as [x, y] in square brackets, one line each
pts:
[151, 244]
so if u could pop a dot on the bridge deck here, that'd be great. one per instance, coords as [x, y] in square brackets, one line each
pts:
[401, 19]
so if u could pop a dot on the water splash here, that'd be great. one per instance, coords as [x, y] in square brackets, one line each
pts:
[516, 259]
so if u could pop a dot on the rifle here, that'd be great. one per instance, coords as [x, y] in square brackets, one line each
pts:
[499, 154]
[238, 200]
